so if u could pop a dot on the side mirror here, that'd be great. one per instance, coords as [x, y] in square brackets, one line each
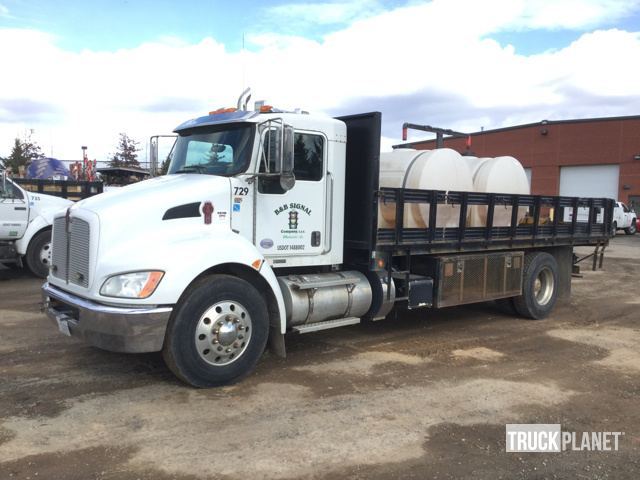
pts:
[287, 177]
[5, 188]
[153, 155]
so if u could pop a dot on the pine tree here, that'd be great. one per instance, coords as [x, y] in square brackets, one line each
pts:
[164, 168]
[23, 152]
[127, 154]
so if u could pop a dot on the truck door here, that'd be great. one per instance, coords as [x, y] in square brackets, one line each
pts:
[626, 214]
[290, 223]
[14, 211]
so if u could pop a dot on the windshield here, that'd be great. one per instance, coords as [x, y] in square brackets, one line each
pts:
[214, 150]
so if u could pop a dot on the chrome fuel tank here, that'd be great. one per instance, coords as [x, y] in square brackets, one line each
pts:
[325, 296]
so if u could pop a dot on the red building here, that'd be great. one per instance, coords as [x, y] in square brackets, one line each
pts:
[597, 157]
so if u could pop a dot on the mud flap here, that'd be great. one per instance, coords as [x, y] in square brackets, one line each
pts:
[276, 342]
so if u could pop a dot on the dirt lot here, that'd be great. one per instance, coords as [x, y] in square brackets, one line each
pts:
[424, 395]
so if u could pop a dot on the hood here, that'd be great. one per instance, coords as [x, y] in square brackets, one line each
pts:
[47, 205]
[151, 199]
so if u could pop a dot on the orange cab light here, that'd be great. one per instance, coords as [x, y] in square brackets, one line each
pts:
[152, 283]
[266, 108]
[223, 110]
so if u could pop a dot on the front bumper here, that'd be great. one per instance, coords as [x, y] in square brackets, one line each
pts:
[117, 329]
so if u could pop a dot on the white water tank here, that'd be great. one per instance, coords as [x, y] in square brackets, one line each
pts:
[498, 175]
[393, 169]
[441, 169]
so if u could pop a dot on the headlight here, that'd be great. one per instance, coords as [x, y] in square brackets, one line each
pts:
[132, 285]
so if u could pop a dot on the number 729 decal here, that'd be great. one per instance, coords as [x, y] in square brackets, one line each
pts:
[241, 191]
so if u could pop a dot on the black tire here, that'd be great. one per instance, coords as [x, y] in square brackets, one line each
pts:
[242, 314]
[538, 299]
[614, 229]
[38, 255]
[632, 228]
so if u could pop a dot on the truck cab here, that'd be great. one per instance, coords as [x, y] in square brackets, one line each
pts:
[25, 226]
[248, 194]
[284, 180]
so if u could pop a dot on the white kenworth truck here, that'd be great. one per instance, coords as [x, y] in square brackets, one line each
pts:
[266, 224]
[25, 226]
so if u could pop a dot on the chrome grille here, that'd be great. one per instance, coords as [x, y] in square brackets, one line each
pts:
[73, 268]
[79, 252]
[59, 248]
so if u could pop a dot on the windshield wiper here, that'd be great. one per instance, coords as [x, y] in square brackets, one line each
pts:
[192, 168]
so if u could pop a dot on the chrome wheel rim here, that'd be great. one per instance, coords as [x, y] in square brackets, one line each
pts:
[223, 333]
[543, 286]
[45, 254]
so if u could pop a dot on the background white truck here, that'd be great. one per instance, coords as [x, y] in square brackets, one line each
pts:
[624, 219]
[25, 226]
[267, 223]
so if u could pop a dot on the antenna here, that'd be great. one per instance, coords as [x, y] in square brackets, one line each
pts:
[241, 97]
[242, 59]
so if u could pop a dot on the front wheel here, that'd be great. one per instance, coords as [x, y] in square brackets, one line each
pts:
[39, 254]
[631, 230]
[539, 286]
[218, 332]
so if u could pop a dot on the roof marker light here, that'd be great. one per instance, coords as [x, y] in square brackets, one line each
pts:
[223, 110]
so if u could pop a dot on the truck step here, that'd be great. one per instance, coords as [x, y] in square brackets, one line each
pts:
[314, 327]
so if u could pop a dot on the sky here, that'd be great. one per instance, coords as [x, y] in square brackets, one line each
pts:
[80, 72]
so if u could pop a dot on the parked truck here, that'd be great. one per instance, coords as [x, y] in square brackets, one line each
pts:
[267, 224]
[624, 218]
[25, 226]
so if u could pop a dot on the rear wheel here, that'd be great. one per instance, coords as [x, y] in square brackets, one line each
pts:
[218, 332]
[539, 286]
[39, 254]
[631, 230]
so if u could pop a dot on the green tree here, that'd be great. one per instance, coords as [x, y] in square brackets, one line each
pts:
[22, 153]
[164, 168]
[127, 153]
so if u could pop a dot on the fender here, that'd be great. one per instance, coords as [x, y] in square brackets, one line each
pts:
[235, 249]
[35, 226]
[264, 270]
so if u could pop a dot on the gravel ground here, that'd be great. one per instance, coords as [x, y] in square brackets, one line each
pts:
[426, 394]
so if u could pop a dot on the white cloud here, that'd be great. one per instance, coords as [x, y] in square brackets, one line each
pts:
[426, 63]
[4, 12]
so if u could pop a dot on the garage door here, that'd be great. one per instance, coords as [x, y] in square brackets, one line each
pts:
[591, 181]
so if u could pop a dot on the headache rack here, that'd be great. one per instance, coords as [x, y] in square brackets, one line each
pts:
[544, 224]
